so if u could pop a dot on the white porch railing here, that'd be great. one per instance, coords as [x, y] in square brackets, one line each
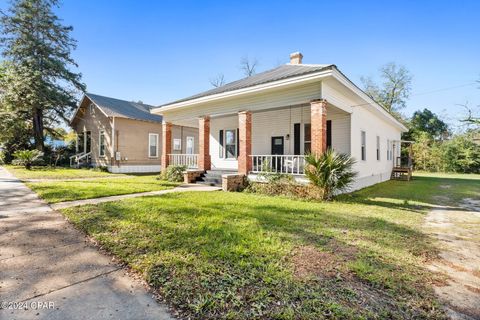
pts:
[77, 158]
[189, 160]
[289, 164]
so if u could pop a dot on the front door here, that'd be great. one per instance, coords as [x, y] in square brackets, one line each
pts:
[277, 149]
[277, 145]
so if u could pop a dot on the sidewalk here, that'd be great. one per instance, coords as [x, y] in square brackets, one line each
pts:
[48, 266]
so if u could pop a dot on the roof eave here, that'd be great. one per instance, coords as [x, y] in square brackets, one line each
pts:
[244, 91]
[338, 75]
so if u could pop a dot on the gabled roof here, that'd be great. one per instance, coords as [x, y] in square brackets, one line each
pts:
[124, 109]
[279, 73]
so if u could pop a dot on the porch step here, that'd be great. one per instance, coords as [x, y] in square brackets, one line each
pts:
[399, 173]
[213, 177]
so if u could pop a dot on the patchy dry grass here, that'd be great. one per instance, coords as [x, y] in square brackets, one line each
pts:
[244, 256]
[46, 172]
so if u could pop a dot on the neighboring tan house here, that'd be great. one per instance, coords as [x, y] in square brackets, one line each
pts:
[124, 136]
[267, 122]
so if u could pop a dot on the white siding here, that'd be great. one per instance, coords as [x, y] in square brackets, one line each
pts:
[371, 170]
[278, 122]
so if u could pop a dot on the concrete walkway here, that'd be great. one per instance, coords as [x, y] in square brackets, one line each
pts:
[50, 271]
[182, 188]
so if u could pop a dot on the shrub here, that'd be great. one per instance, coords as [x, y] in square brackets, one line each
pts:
[173, 173]
[27, 158]
[332, 172]
[276, 184]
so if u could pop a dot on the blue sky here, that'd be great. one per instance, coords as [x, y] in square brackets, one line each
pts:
[158, 51]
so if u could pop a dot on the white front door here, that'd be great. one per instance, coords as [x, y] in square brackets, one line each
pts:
[190, 149]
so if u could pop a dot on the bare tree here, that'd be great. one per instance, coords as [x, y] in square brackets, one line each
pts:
[471, 117]
[393, 93]
[248, 66]
[218, 81]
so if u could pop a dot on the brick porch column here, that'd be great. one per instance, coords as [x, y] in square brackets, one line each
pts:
[318, 119]
[166, 143]
[204, 160]
[245, 139]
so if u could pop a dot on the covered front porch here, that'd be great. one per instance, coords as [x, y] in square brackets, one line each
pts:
[260, 141]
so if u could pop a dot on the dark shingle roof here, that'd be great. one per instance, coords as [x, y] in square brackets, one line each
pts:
[279, 73]
[125, 109]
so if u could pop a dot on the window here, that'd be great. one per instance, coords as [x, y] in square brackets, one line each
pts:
[329, 134]
[364, 145]
[177, 144]
[91, 108]
[230, 144]
[307, 138]
[221, 149]
[153, 145]
[389, 157]
[101, 143]
[190, 145]
[378, 148]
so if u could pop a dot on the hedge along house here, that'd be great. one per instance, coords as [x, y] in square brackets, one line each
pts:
[124, 136]
[267, 122]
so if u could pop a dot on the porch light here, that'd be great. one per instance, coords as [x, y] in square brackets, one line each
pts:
[287, 137]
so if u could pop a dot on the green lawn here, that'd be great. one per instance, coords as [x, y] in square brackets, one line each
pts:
[245, 256]
[68, 190]
[54, 173]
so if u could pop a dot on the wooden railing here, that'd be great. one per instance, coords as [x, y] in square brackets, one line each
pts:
[403, 162]
[188, 160]
[288, 164]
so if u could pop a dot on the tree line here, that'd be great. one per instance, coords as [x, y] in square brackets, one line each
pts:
[40, 87]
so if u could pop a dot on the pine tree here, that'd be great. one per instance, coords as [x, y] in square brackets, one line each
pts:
[39, 84]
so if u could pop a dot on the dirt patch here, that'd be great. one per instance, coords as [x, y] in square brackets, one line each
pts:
[457, 230]
[309, 261]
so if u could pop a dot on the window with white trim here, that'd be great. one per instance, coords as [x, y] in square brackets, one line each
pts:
[177, 144]
[378, 148]
[91, 108]
[101, 143]
[363, 145]
[389, 150]
[307, 138]
[153, 145]
[190, 148]
[230, 144]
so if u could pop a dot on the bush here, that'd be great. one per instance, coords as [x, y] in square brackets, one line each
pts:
[276, 184]
[173, 173]
[27, 158]
[331, 172]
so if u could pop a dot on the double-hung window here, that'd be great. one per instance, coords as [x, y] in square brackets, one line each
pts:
[378, 148]
[153, 145]
[230, 144]
[364, 145]
[307, 138]
[389, 157]
[101, 143]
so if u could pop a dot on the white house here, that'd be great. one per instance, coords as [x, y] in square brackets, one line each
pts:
[270, 120]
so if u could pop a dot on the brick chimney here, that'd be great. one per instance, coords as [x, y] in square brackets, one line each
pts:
[296, 58]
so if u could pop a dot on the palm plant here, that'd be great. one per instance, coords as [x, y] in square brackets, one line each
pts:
[332, 172]
[27, 157]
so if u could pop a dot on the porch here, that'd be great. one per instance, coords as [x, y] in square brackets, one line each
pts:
[260, 141]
